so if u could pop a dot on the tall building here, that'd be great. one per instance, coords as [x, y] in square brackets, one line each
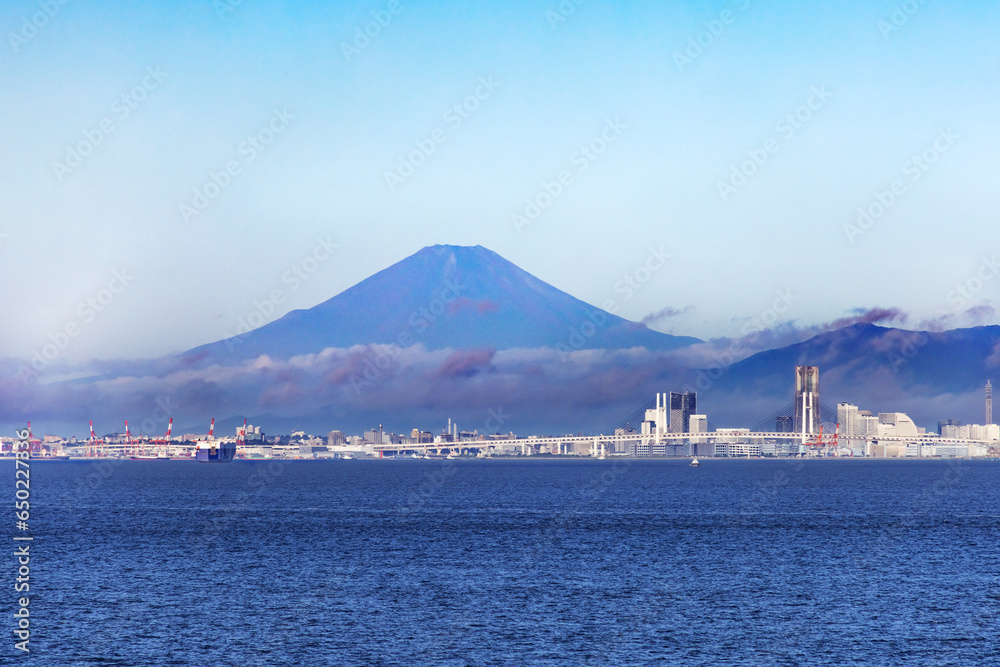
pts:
[896, 424]
[942, 423]
[698, 424]
[956, 430]
[375, 436]
[682, 406]
[847, 421]
[698, 446]
[989, 402]
[847, 417]
[784, 424]
[419, 437]
[807, 399]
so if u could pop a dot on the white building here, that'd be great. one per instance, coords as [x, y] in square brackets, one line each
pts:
[984, 432]
[955, 431]
[699, 424]
[896, 424]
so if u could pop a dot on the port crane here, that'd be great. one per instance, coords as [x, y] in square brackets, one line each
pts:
[34, 444]
[129, 443]
[165, 440]
[96, 447]
[821, 443]
[241, 439]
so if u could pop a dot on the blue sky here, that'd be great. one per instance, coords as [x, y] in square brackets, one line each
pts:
[345, 121]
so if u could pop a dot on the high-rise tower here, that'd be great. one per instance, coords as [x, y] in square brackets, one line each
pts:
[989, 402]
[682, 406]
[806, 399]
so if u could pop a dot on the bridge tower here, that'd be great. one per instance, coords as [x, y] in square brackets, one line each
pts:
[807, 406]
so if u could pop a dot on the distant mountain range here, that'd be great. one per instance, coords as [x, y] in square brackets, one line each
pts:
[461, 332]
[932, 375]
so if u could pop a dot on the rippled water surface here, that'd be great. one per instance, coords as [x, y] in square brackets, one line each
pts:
[512, 562]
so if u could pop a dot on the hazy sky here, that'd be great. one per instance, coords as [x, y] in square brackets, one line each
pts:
[309, 115]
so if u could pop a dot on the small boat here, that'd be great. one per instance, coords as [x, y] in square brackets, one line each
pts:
[694, 463]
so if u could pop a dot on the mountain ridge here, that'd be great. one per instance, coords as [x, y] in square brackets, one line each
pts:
[444, 296]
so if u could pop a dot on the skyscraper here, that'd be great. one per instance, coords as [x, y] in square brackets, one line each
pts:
[989, 403]
[849, 424]
[784, 424]
[806, 399]
[682, 406]
[847, 417]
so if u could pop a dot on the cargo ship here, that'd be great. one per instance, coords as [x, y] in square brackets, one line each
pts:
[215, 452]
[210, 451]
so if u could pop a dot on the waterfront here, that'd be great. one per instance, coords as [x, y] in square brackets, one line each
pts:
[516, 562]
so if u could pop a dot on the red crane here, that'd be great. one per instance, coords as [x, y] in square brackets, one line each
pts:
[165, 440]
[128, 440]
[241, 439]
[34, 444]
[95, 447]
[820, 443]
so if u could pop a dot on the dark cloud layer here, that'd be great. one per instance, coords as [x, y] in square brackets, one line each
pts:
[542, 389]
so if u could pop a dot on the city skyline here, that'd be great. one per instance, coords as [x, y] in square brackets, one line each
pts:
[721, 134]
[674, 413]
